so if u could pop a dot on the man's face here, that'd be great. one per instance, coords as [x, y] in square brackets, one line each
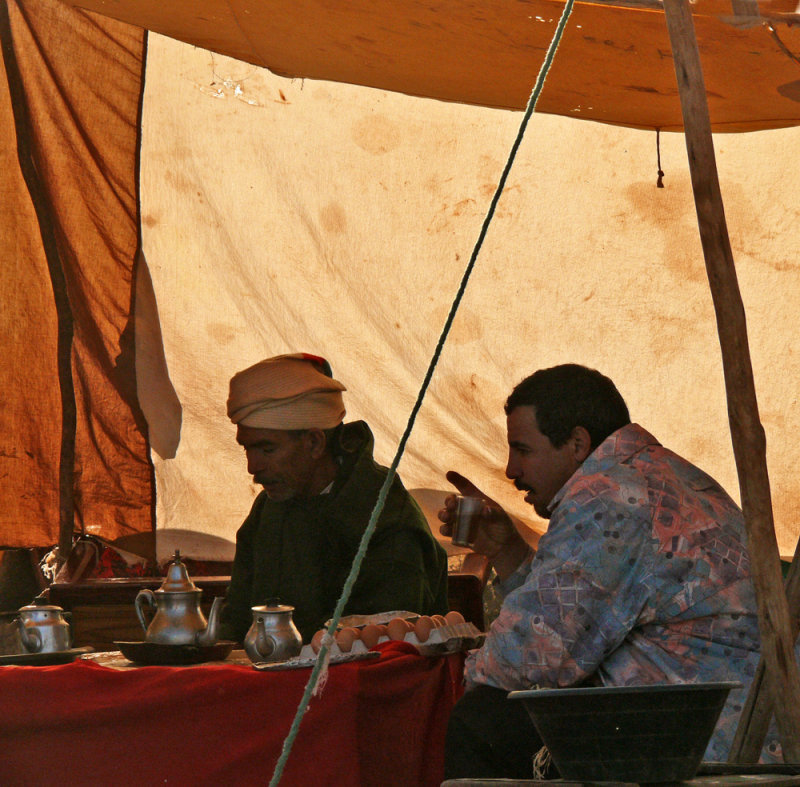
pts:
[534, 465]
[282, 462]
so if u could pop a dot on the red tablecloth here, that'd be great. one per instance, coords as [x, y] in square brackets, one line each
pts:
[376, 722]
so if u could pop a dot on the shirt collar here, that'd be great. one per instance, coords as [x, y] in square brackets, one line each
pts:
[615, 449]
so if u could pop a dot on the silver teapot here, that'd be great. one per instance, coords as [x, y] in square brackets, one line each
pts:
[272, 635]
[42, 629]
[177, 618]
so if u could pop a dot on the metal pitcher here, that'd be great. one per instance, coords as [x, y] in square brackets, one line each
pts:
[272, 635]
[177, 617]
[42, 629]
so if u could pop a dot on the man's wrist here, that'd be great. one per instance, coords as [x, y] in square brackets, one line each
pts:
[508, 559]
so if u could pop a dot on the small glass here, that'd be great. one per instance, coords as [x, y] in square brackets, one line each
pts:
[465, 524]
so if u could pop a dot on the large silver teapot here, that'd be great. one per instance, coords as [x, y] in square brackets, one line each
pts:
[42, 629]
[177, 617]
[272, 635]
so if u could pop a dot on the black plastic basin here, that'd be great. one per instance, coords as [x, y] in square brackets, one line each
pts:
[640, 734]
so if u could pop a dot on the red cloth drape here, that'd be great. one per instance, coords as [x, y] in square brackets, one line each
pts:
[376, 723]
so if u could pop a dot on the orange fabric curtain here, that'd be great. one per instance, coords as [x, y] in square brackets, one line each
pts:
[73, 443]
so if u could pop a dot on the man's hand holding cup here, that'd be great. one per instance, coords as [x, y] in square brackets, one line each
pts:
[472, 519]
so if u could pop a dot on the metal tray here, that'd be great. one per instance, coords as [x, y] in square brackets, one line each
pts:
[306, 663]
[44, 659]
[156, 654]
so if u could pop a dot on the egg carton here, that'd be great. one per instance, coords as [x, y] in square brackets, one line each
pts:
[359, 621]
[447, 639]
[443, 639]
[307, 652]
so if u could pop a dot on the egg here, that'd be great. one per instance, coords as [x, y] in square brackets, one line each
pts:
[384, 629]
[454, 617]
[370, 635]
[438, 620]
[423, 627]
[316, 640]
[345, 638]
[397, 628]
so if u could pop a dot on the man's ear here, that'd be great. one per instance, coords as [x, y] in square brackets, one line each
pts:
[317, 442]
[581, 442]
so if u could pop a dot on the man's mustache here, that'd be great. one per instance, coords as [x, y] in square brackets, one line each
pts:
[522, 487]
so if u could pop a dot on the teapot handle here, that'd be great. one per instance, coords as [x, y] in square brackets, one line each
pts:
[144, 596]
[31, 638]
[266, 644]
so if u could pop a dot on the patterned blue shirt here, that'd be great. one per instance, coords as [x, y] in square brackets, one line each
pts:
[643, 577]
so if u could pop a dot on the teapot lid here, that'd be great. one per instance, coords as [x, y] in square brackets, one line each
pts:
[272, 605]
[177, 580]
[40, 608]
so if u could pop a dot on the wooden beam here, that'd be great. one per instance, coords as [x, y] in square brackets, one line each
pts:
[758, 710]
[747, 433]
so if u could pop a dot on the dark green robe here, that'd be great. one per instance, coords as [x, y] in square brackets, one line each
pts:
[300, 551]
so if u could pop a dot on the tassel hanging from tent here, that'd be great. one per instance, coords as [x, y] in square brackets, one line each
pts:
[660, 181]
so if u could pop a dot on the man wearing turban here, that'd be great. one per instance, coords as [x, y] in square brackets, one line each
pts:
[320, 484]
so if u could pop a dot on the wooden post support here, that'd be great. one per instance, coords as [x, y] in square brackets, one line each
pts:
[747, 433]
[758, 709]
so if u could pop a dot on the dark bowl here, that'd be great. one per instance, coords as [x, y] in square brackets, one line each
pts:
[655, 733]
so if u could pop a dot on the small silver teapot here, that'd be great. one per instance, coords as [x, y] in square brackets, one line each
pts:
[178, 619]
[272, 635]
[42, 629]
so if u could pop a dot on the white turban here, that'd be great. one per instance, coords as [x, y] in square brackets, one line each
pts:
[286, 392]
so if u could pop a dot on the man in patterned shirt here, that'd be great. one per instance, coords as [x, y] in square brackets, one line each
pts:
[642, 577]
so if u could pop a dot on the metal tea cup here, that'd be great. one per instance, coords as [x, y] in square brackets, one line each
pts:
[465, 523]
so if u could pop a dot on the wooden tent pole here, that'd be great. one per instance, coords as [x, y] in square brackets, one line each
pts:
[747, 433]
[757, 711]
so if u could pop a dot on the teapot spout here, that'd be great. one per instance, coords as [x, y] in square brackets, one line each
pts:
[209, 635]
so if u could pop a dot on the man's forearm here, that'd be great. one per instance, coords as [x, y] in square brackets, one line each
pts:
[508, 559]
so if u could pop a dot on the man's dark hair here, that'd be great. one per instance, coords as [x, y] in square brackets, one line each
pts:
[571, 395]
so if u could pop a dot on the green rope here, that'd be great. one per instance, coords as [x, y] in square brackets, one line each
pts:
[376, 512]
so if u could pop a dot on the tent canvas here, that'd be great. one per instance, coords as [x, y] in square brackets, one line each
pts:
[101, 417]
[411, 248]
[280, 213]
